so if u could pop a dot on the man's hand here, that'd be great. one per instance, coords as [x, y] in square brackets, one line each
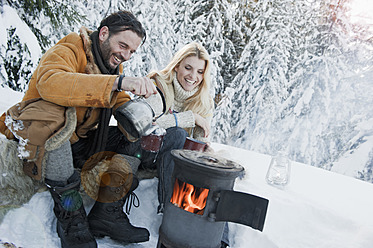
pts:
[141, 86]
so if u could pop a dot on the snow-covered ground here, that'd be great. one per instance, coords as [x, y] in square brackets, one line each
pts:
[317, 208]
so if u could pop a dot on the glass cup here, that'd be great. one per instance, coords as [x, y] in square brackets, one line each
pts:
[279, 170]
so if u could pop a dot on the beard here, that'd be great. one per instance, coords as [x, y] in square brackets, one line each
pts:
[106, 54]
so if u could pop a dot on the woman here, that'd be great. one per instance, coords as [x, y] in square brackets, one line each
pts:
[185, 82]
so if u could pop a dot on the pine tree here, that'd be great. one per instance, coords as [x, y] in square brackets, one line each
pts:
[42, 18]
[158, 18]
[264, 83]
[240, 31]
[318, 134]
[211, 23]
[17, 66]
[183, 19]
[222, 116]
[318, 119]
[95, 11]
[57, 13]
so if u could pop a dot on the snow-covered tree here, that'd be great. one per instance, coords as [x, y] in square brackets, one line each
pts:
[294, 75]
[212, 23]
[44, 17]
[263, 83]
[222, 116]
[323, 100]
[158, 18]
[41, 20]
[322, 115]
[17, 65]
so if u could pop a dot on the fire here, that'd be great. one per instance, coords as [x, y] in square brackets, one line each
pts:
[189, 198]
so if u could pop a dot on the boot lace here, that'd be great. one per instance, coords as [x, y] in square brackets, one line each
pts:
[117, 207]
[131, 199]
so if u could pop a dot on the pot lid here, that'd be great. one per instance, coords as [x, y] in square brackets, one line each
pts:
[208, 160]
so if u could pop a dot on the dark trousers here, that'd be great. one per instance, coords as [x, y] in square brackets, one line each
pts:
[162, 160]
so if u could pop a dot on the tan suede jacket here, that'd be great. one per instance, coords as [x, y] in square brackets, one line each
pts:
[64, 77]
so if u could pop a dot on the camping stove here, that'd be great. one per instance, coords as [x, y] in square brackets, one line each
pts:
[202, 201]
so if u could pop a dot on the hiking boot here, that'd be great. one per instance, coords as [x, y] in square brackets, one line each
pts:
[107, 217]
[72, 224]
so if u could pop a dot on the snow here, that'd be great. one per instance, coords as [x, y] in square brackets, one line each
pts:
[343, 165]
[9, 18]
[8, 98]
[318, 208]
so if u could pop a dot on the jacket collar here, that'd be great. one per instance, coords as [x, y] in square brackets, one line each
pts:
[91, 67]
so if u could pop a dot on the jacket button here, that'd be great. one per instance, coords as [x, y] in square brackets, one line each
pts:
[35, 170]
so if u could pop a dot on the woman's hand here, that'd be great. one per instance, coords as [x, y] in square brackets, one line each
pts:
[203, 123]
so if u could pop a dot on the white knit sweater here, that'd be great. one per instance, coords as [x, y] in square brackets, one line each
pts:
[185, 119]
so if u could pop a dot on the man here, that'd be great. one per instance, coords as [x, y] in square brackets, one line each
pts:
[62, 121]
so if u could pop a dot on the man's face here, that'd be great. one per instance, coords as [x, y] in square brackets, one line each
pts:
[118, 47]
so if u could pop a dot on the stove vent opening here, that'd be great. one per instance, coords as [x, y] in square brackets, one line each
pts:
[188, 197]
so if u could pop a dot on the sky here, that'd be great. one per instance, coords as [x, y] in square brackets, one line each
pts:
[317, 208]
[361, 12]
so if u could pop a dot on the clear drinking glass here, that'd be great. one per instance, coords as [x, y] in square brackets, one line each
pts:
[279, 170]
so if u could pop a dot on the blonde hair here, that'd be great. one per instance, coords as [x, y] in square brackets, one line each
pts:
[201, 101]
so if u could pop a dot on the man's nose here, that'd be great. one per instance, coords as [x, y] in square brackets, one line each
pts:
[126, 55]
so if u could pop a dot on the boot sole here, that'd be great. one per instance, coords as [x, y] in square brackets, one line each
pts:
[65, 245]
[101, 234]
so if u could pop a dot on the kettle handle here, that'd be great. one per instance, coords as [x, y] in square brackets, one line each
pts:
[163, 101]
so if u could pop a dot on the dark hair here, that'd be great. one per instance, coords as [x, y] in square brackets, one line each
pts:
[121, 21]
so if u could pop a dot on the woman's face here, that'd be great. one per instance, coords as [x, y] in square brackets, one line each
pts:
[190, 72]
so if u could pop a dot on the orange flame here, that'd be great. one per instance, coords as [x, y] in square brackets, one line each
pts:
[189, 198]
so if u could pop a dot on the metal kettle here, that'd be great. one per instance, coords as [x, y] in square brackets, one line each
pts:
[137, 116]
